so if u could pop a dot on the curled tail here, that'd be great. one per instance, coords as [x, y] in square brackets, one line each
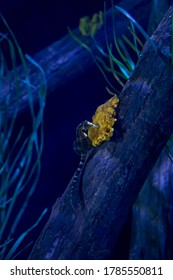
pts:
[78, 172]
[81, 146]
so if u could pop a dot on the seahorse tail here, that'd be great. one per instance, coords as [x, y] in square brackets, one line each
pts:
[77, 174]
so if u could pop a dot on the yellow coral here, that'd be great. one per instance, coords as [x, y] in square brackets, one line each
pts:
[84, 26]
[89, 27]
[104, 119]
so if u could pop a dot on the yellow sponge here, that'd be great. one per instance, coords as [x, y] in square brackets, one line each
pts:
[104, 119]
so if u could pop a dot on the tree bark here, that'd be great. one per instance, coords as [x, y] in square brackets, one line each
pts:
[152, 229]
[65, 60]
[116, 171]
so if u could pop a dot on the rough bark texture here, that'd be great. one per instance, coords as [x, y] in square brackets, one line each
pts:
[116, 170]
[61, 61]
[152, 230]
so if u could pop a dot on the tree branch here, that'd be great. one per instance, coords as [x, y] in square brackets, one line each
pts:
[116, 171]
[152, 224]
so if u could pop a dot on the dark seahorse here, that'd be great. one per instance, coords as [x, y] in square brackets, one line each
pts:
[81, 146]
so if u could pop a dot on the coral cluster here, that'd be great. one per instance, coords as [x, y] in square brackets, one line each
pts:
[104, 119]
[89, 27]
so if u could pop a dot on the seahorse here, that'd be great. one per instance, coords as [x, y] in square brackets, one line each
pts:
[81, 146]
[92, 134]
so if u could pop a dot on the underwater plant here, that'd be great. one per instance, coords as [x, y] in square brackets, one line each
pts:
[117, 58]
[20, 157]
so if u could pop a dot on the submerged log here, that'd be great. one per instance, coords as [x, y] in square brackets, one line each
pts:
[116, 171]
[65, 60]
[152, 230]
